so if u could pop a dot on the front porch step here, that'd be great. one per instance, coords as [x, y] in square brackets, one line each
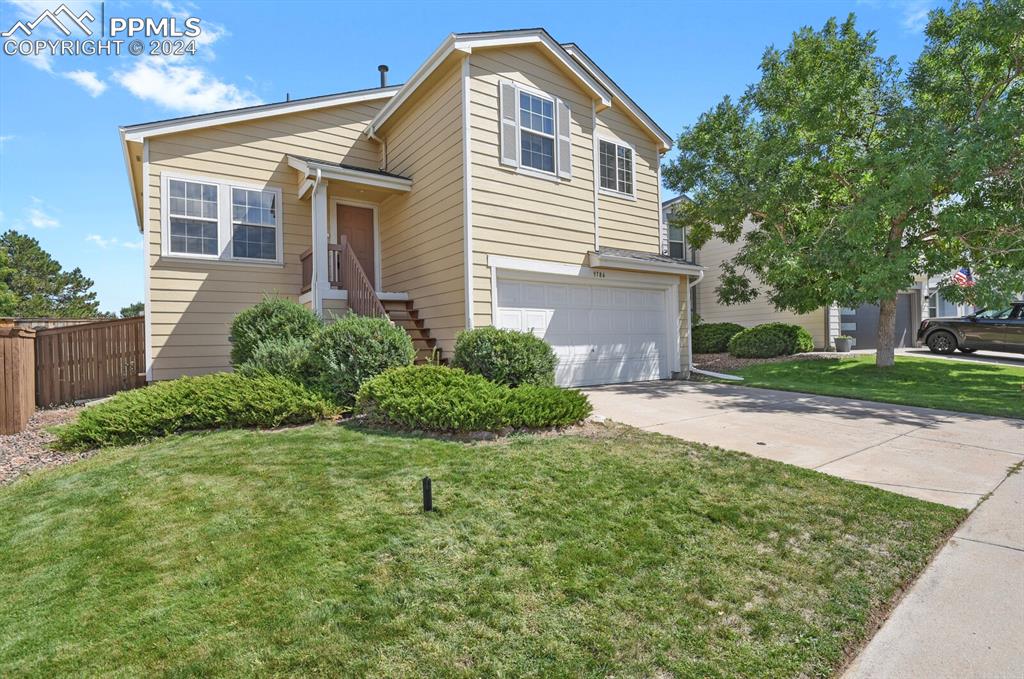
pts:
[404, 314]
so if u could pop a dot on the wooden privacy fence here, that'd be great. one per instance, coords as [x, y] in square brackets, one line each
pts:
[17, 378]
[89, 361]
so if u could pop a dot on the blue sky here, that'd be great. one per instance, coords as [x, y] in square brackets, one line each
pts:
[62, 176]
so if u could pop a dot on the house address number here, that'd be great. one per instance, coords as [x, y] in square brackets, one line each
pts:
[598, 274]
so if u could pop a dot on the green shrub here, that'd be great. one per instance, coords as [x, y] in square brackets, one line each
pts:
[222, 400]
[285, 357]
[272, 319]
[533, 407]
[346, 353]
[436, 398]
[505, 356]
[771, 339]
[713, 338]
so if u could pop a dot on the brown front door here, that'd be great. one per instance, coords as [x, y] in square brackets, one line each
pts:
[356, 224]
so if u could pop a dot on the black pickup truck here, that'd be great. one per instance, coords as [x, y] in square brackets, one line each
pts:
[992, 329]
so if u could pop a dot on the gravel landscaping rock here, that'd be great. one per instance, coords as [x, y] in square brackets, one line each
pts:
[723, 363]
[27, 451]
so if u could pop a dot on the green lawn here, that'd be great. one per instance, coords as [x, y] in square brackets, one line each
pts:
[962, 386]
[304, 552]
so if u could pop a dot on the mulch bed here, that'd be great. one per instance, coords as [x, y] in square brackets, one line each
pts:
[724, 363]
[27, 451]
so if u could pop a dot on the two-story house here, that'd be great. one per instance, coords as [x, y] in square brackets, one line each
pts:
[509, 182]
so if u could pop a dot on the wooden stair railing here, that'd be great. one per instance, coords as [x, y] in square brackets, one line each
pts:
[306, 258]
[362, 298]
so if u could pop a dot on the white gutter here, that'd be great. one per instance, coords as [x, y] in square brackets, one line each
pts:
[689, 318]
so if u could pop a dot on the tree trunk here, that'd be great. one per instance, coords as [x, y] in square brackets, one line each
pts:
[885, 356]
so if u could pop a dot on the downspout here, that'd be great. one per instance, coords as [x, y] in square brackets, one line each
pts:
[315, 282]
[689, 319]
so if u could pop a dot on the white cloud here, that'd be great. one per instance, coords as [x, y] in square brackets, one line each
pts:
[41, 220]
[113, 241]
[188, 89]
[177, 82]
[915, 15]
[100, 240]
[88, 80]
[5, 137]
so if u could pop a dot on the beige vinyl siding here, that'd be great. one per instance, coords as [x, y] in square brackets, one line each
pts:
[422, 249]
[759, 311]
[194, 301]
[626, 223]
[515, 214]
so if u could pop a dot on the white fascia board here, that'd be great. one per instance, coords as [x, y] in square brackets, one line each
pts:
[466, 43]
[140, 132]
[597, 260]
[629, 104]
[345, 174]
[131, 180]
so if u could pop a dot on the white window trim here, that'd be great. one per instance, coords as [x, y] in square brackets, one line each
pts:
[597, 175]
[519, 168]
[553, 136]
[225, 223]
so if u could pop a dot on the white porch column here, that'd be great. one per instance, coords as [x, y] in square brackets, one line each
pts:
[320, 283]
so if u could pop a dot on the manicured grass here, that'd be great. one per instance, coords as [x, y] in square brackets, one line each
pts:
[962, 386]
[305, 552]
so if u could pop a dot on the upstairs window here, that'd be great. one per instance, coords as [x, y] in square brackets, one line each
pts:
[616, 167]
[536, 132]
[677, 242]
[193, 216]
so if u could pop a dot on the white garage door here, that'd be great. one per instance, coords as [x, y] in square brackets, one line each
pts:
[602, 333]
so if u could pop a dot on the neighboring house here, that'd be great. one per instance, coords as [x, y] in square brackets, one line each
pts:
[824, 325]
[509, 182]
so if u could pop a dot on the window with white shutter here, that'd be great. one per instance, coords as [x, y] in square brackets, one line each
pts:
[535, 131]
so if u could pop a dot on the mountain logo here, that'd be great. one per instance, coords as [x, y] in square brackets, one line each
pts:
[53, 17]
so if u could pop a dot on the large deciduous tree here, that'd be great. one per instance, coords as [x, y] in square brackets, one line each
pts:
[846, 178]
[37, 283]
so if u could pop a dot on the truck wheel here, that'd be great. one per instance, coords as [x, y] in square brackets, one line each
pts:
[942, 342]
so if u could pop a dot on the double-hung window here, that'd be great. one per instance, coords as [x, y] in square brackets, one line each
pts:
[212, 219]
[253, 224]
[536, 132]
[616, 167]
[677, 242]
[193, 219]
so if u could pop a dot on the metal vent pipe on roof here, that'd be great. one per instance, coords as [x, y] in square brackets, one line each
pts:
[383, 68]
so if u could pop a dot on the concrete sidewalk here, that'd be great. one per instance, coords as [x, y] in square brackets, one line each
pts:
[965, 616]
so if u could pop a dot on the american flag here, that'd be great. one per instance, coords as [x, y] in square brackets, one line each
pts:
[963, 277]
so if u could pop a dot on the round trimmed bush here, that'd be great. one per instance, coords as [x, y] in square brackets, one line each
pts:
[437, 398]
[771, 339]
[274, 318]
[505, 356]
[713, 338]
[287, 357]
[346, 353]
[433, 398]
[221, 400]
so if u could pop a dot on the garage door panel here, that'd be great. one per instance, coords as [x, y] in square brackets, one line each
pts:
[601, 333]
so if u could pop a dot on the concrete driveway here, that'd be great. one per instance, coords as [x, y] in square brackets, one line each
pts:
[934, 455]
